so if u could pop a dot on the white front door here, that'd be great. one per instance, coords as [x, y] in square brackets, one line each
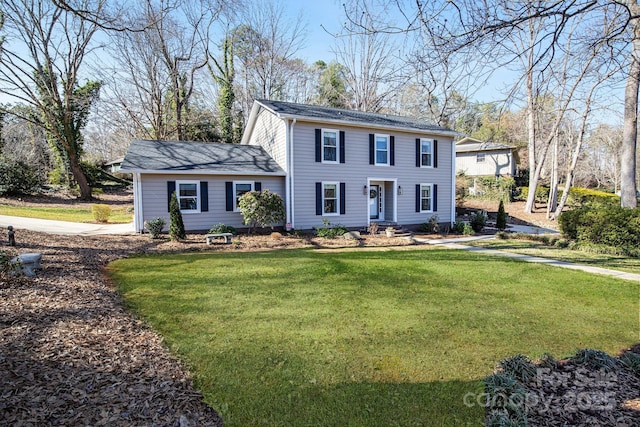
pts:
[375, 202]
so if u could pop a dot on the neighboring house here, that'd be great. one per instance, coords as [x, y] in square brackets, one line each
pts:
[348, 167]
[478, 158]
[113, 166]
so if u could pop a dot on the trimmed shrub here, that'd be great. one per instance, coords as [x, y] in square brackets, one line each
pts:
[222, 228]
[607, 225]
[430, 226]
[478, 221]
[582, 196]
[101, 212]
[261, 208]
[330, 232]
[542, 194]
[17, 177]
[501, 218]
[492, 188]
[461, 227]
[176, 225]
[155, 227]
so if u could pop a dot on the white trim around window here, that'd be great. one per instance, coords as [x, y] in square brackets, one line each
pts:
[426, 153]
[382, 149]
[426, 198]
[330, 146]
[244, 187]
[330, 198]
[188, 194]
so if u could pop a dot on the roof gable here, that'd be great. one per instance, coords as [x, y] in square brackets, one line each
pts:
[198, 157]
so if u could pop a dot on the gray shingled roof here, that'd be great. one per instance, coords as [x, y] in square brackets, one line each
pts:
[315, 112]
[482, 146]
[198, 157]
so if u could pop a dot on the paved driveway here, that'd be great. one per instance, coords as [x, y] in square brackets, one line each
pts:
[63, 227]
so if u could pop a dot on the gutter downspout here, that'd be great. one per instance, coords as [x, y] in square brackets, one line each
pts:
[138, 214]
[453, 181]
[290, 200]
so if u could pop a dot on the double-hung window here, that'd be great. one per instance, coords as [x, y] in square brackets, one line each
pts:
[330, 198]
[187, 194]
[330, 146]
[480, 158]
[426, 197]
[426, 152]
[239, 189]
[382, 150]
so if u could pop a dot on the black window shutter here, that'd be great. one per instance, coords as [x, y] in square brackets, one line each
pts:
[171, 188]
[392, 150]
[343, 199]
[417, 197]
[257, 186]
[342, 147]
[435, 153]
[418, 152]
[318, 145]
[318, 198]
[229, 195]
[372, 149]
[435, 197]
[204, 196]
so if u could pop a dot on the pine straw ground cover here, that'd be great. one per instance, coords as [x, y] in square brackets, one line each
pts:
[70, 354]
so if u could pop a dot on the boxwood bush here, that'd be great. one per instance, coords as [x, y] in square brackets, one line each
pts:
[609, 225]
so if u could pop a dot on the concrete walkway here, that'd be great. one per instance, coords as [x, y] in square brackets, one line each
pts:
[458, 243]
[64, 227]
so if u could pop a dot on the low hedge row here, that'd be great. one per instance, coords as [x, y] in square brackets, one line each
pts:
[607, 224]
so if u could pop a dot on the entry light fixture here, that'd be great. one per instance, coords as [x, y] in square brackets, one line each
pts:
[399, 190]
[364, 190]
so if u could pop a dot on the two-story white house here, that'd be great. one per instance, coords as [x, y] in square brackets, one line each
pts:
[350, 167]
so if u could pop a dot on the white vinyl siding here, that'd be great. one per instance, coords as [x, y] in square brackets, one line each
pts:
[358, 173]
[495, 163]
[154, 198]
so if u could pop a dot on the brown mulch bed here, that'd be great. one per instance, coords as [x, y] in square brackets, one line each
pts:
[70, 354]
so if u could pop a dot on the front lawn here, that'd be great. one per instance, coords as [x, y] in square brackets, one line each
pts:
[119, 215]
[365, 338]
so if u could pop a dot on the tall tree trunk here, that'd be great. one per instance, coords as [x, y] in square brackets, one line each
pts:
[553, 187]
[531, 144]
[628, 197]
[79, 176]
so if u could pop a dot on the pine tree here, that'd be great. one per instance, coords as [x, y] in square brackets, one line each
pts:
[501, 218]
[176, 226]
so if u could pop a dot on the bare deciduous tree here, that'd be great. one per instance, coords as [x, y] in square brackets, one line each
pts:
[43, 57]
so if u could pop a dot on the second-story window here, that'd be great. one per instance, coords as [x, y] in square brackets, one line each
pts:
[426, 152]
[329, 146]
[382, 150]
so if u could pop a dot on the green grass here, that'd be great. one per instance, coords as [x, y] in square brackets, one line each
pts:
[534, 248]
[119, 215]
[365, 338]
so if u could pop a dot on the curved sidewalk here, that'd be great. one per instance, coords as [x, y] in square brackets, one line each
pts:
[458, 243]
[64, 227]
